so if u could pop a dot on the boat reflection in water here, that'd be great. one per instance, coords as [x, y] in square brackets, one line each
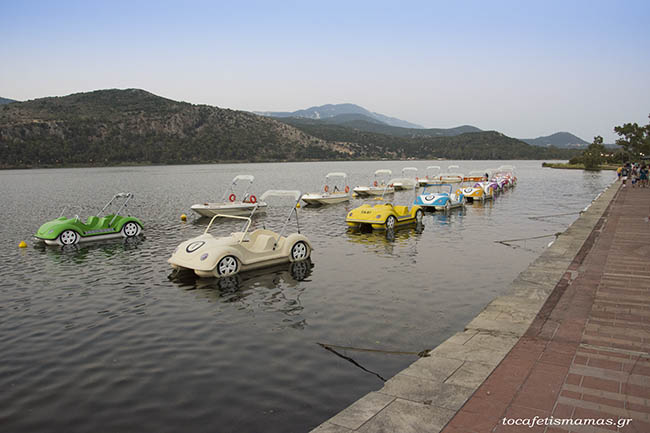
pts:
[80, 253]
[388, 242]
[275, 288]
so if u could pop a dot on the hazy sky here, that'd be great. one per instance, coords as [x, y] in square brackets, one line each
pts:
[523, 68]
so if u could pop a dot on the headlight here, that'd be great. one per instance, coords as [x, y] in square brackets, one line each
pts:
[204, 256]
[378, 216]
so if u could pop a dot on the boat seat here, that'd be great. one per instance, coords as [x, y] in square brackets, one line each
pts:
[263, 242]
[92, 220]
[401, 210]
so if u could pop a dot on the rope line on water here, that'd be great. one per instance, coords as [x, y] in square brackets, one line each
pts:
[357, 349]
[506, 242]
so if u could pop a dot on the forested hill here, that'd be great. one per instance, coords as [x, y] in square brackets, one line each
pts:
[469, 145]
[5, 101]
[365, 123]
[559, 139]
[111, 127]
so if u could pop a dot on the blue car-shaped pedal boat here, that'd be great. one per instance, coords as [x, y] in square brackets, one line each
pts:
[435, 196]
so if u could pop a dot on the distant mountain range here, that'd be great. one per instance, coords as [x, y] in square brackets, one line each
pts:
[357, 117]
[559, 139]
[111, 127]
[5, 100]
[362, 122]
[332, 110]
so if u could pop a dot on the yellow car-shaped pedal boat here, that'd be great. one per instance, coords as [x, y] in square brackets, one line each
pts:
[383, 216]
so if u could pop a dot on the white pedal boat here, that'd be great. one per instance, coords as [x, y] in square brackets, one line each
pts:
[337, 192]
[406, 182]
[448, 178]
[229, 204]
[380, 185]
[431, 173]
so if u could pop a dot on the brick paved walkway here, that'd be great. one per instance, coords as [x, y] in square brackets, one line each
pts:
[586, 355]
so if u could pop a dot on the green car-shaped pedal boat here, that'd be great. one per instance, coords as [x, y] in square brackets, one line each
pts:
[69, 231]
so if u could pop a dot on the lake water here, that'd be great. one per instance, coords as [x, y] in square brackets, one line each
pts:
[100, 338]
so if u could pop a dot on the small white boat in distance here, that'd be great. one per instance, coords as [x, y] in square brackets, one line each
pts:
[432, 171]
[448, 178]
[406, 182]
[336, 190]
[380, 185]
[476, 176]
[229, 205]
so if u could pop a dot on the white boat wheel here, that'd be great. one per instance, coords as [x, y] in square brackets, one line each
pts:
[130, 229]
[299, 251]
[68, 237]
[227, 266]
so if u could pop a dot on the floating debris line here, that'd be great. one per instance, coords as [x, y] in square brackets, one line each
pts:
[422, 353]
[507, 242]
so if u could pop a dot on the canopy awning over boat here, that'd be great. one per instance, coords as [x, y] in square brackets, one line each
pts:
[248, 177]
[295, 194]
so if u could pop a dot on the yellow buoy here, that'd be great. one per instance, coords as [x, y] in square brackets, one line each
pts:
[183, 217]
[22, 244]
[298, 205]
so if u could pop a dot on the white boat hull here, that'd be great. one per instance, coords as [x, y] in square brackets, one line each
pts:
[321, 199]
[365, 191]
[237, 209]
[404, 184]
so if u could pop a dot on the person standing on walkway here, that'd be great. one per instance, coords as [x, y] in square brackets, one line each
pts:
[643, 176]
[618, 172]
[624, 173]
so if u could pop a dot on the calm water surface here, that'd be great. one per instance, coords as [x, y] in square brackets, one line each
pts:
[101, 338]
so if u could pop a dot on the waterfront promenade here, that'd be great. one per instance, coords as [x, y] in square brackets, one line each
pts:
[570, 340]
[586, 355]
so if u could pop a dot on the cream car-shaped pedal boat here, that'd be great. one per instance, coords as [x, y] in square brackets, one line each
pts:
[210, 256]
[229, 204]
[338, 192]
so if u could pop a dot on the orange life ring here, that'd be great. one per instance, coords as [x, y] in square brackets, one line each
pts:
[327, 188]
[232, 197]
[391, 185]
[375, 183]
[252, 199]
[347, 188]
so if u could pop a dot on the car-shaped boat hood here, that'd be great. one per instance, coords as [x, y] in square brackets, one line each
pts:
[202, 252]
[366, 212]
[433, 198]
[51, 229]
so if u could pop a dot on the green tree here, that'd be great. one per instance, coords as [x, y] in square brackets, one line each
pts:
[634, 139]
[593, 155]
